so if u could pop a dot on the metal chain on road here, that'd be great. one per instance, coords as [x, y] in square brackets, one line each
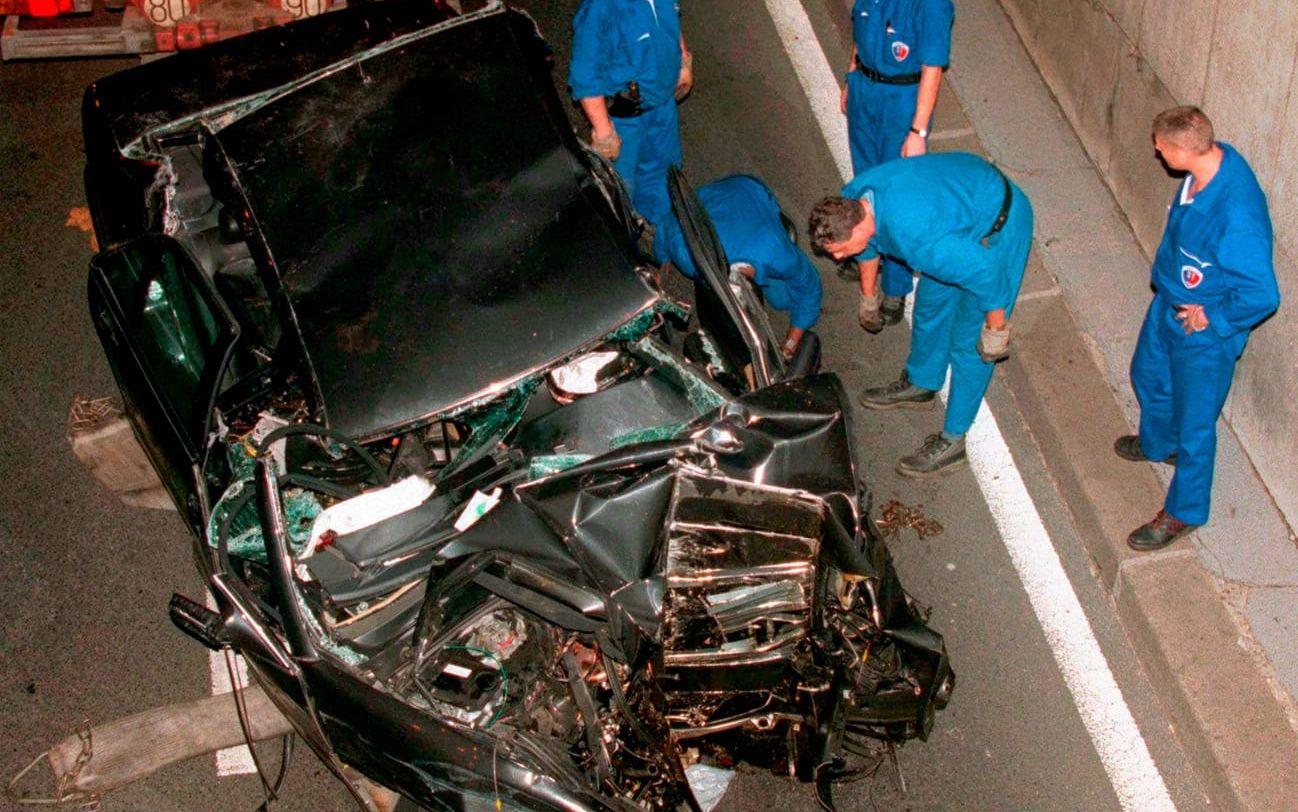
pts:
[85, 801]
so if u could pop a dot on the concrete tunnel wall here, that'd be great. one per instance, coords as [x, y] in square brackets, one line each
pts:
[1113, 65]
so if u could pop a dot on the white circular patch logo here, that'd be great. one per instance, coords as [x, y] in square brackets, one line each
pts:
[1191, 276]
[900, 51]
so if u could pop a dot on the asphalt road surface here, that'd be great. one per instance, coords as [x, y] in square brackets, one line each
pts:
[85, 581]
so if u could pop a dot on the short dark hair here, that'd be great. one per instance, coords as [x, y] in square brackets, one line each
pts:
[1187, 127]
[832, 220]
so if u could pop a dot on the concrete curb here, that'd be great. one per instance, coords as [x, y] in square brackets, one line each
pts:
[1233, 729]
[1239, 741]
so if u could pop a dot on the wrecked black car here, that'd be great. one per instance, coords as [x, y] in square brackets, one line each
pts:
[489, 516]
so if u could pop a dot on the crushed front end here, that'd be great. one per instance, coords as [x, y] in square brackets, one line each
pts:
[716, 596]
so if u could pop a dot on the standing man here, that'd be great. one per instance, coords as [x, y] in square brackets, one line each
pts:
[967, 230]
[900, 50]
[629, 67]
[747, 218]
[1213, 282]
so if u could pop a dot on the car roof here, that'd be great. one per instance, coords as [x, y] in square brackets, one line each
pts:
[431, 223]
[166, 93]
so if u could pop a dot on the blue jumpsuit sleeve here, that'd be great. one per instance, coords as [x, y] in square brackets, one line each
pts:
[804, 294]
[593, 30]
[669, 246]
[935, 34]
[1245, 255]
[854, 188]
[790, 268]
[871, 252]
[966, 264]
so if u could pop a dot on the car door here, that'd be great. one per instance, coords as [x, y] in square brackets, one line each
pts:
[168, 337]
[727, 304]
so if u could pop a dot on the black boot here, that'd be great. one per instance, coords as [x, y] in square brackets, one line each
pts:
[1161, 531]
[938, 454]
[892, 309]
[900, 394]
[1128, 447]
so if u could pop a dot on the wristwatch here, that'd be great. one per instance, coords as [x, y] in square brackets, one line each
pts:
[921, 133]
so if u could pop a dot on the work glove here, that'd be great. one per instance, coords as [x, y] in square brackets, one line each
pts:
[867, 312]
[994, 345]
[685, 82]
[609, 147]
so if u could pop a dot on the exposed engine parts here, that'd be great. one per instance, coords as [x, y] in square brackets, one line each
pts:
[618, 619]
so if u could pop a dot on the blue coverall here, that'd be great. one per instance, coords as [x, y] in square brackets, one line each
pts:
[1216, 252]
[894, 38]
[615, 42]
[933, 212]
[746, 216]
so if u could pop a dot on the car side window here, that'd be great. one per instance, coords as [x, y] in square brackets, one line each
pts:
[173, 324]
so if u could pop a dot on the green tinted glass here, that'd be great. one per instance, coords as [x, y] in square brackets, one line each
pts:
[169, 324]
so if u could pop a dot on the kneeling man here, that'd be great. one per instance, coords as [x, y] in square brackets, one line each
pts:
[746, 216]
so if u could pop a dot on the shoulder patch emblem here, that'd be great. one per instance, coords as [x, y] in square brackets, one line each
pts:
[1191, 276]
[900, 51]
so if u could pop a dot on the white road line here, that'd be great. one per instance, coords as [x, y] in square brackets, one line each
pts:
[231, 760]
[819, 81]
[1048, 293]
[1117, 739]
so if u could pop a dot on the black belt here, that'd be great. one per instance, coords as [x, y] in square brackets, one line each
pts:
[626, 103]
[1004, 213]
[900, 79]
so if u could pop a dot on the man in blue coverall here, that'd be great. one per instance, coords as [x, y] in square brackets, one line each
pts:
[746, 216]
[967, 230]
[900, 48]
[629, 67]
[1213, 282]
